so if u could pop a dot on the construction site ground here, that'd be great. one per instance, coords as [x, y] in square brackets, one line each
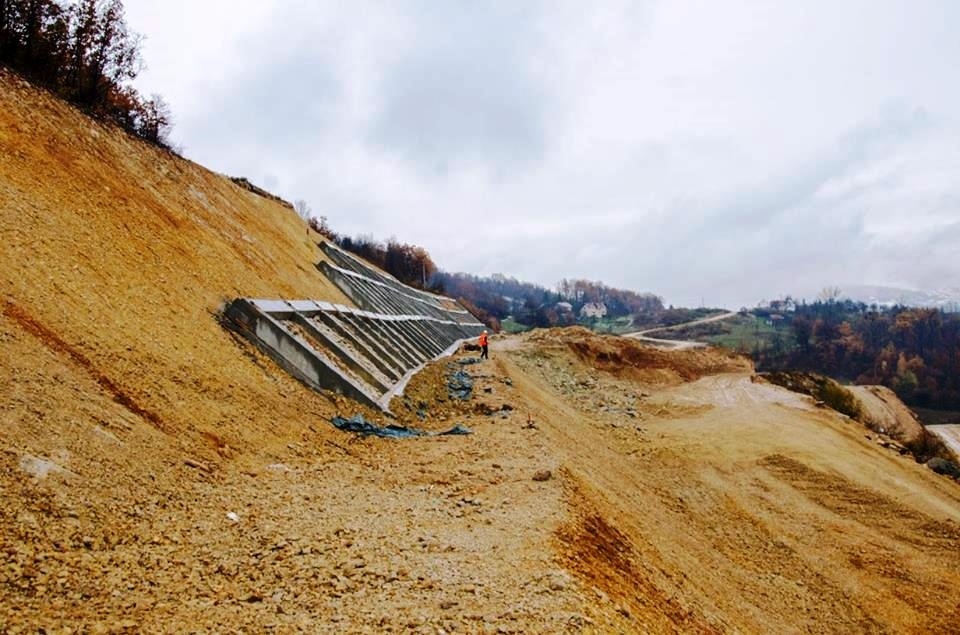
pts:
[707, 505]
[158, 474]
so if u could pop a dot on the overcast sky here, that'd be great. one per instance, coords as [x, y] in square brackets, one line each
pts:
[718, 152]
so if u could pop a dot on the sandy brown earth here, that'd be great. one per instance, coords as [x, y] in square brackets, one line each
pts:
[887, 413]
[158, 475]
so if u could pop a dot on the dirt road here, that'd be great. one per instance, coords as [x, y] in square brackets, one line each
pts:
[644, 336]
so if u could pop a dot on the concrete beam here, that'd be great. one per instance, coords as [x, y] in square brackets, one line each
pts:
[349, 358]
[366, 353]
[292, 353]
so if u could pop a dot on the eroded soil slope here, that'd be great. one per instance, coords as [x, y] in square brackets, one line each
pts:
[159, 476]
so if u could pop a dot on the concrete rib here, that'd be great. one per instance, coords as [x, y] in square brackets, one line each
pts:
[343, 354]
[380, 357]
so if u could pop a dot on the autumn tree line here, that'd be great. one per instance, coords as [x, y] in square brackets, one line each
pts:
[618, 302]
[915, 352]
[83, 51]
[409, 264]
[494, 298]
[533, 305]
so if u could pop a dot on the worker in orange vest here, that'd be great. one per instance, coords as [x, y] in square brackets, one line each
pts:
[483, 345]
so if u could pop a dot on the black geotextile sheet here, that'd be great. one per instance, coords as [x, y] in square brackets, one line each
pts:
[360, 425]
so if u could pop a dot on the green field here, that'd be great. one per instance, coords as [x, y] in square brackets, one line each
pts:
[509, 325]
[610, 325]
[745, 333]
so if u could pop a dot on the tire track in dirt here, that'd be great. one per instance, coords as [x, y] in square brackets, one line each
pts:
[902, 534]
[602, 556]
[869, 507]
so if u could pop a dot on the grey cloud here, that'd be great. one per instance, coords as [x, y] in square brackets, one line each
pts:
[664, 130]
[467, 92]
[763, 241]
[865, 142]
[775, 238]
[934, 265]
[285, 104]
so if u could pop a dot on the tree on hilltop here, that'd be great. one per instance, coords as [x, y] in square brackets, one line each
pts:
[83, 51]
[154, 120]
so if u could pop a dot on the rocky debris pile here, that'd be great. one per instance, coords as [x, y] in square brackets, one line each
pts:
[591, 391]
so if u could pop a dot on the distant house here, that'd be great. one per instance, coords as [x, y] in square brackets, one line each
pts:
[785, 306]
[593, 310]
[564, 307]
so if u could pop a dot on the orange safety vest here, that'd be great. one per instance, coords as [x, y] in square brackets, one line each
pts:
[483, 339]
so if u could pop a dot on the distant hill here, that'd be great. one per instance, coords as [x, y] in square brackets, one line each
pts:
[947, 299]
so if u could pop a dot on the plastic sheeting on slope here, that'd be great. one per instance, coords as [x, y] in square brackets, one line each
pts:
[360, 425]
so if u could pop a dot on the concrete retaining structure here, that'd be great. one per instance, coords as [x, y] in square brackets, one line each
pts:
[366, 354]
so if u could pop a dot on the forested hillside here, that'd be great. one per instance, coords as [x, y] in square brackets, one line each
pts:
[499, 296]
[916, 352]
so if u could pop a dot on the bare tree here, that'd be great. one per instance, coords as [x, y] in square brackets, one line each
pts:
[303, 209]
[154, 121]
[830, 294]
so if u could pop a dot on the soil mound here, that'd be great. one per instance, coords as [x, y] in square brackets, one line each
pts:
[887, 413]
[629, 358]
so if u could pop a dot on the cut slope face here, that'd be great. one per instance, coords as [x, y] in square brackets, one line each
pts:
[116, 257]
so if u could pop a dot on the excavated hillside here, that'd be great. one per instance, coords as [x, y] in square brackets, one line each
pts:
[161, 475]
